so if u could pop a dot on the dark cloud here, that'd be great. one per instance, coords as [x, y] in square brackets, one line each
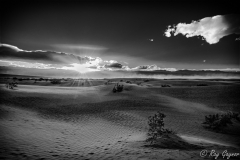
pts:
[113, 65]
[10, 52]
[202, 73]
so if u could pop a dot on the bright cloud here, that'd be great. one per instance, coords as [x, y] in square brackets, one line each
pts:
[26, 64]
[153, 68]
[147, 67]
[82, 68]
[212, 29]
[110, 65]
[6, 46]
[111, 61]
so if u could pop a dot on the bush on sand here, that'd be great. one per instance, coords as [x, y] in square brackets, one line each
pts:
[218, 122]
[156, 127]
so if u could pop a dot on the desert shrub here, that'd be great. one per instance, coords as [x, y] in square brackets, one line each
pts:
[11, 85]
[235, 116]
[147, 80]
[156, 127]
[165, 85]
[139, 83]
[129, 82]
[117, 88]
[219, 122]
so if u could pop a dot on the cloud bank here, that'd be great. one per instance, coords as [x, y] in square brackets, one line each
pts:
[27, 64]
[211, 29]
[10, 52]
[147, 67]
[59, 62]
[153, 68]
[13, 56]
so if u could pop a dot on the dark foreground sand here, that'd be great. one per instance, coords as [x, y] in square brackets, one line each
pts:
[91, 122]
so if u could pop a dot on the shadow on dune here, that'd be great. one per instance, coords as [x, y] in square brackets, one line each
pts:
[104, 110]
[68, 105]
[66, 108]
[174, 142]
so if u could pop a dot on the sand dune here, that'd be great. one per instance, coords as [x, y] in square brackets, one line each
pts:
[57, 122]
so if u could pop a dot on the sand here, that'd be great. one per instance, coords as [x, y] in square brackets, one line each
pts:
[90, 122]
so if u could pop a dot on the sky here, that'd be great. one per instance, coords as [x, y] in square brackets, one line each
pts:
[107, 36]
